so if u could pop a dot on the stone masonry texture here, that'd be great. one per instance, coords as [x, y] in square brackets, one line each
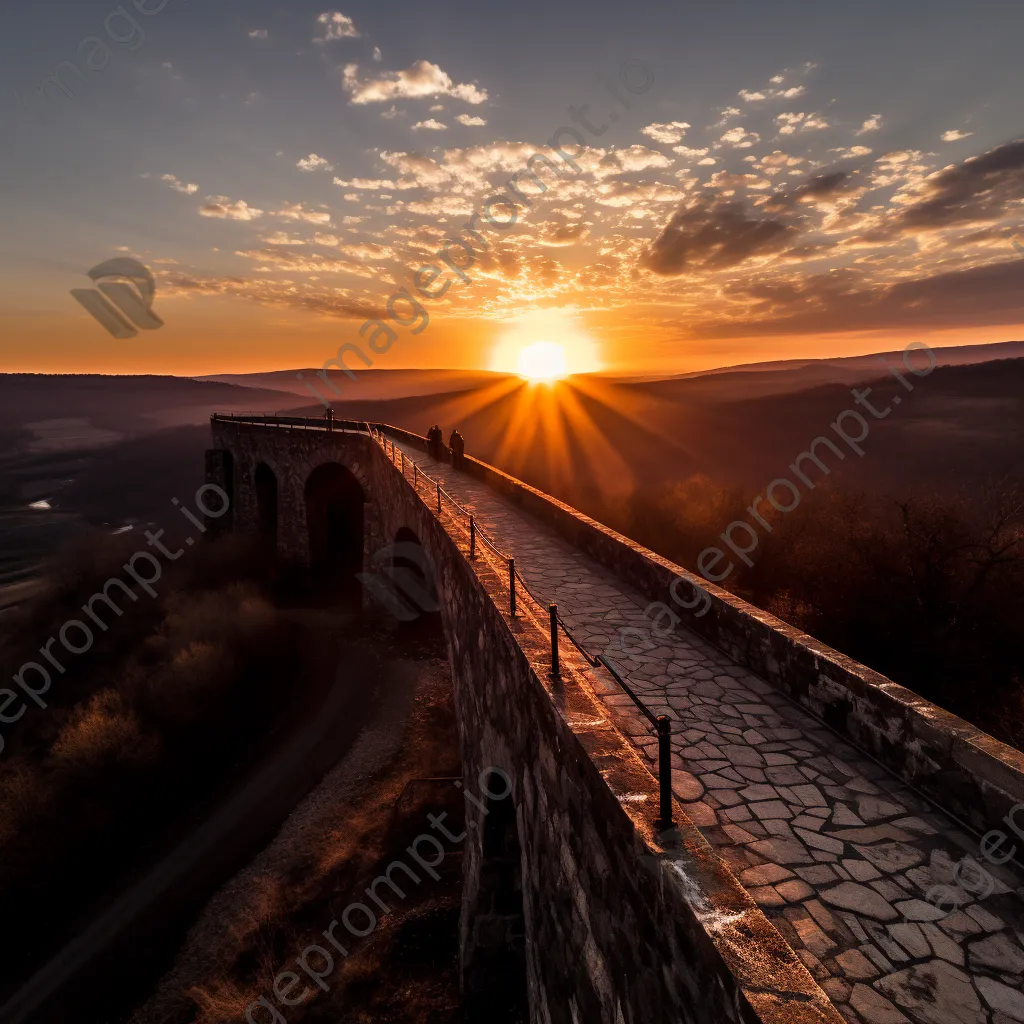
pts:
[783, 814]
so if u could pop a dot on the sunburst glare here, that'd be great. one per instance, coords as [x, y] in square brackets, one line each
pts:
[543, 360]
[545, 345]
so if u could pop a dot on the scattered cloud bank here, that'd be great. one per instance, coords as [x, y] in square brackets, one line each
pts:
[314, 163]
[332, 26]
[764, 219]
[174, 182]
[224, 209]
[421, 79]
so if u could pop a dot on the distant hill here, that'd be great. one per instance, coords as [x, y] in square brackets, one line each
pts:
[369, 384]
[125, 405]
[83, 439]
[785, 375]
[962, 425]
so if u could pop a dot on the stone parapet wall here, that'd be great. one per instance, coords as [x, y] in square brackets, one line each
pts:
[623, 925]
[620, 928]
[964, 770]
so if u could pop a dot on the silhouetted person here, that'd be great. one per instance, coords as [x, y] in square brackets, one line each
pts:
[329, 416]
[457, 443]
[434, 442]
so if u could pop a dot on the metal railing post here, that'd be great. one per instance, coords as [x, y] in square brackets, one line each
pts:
[553, 609]
[415, 474]
[401, 456]
[472, 537]
[439, 496]
[512, 586]
[665, 769]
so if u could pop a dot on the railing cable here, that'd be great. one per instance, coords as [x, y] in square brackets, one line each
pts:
[662, 724]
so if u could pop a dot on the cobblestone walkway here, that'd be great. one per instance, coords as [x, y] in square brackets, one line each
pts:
[835, 850]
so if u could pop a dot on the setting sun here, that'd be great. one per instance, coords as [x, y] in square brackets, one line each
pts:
[545, 344]
[544, 360]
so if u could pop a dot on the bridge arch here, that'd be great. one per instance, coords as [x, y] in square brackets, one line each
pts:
[497, 988]
[335, 522]
[265, 485]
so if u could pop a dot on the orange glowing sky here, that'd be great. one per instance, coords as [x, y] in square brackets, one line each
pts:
[682, 211]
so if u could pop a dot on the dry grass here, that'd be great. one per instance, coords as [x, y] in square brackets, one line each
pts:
[406, 970]
[137, 730]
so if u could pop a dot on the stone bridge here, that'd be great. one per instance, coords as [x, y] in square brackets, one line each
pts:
[842, 849]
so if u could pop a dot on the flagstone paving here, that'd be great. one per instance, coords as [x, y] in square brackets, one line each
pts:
[837, 852]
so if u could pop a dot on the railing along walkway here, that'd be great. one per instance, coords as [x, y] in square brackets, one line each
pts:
[838, 852]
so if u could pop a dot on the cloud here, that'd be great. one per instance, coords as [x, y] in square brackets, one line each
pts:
[297, 211]
[872, 124]
[689, 154]
[281, 238]
[420, 170]
[667, 133]
[634, 158]
[844, 300]
[172, 181]
[314, 163]
[430, 125]
[852, 152]
[337, 302]
[793, 123]
[955, 135]
[333, 25]
[726, 115]
[981, 188]
[224, 209]
[771, 94]
[377, 54]
[258, 33]
[421, 79]
[819, 186]
[373, 184]
[775, 163]
[470, 121]
[739, 138]
[625, 194]
[560, 232]
[714, 235]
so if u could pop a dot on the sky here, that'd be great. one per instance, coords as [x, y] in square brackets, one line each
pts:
[715, 184]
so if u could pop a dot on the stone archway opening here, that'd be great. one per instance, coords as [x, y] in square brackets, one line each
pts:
[496, 987]
[265, 482]
[334, 517]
